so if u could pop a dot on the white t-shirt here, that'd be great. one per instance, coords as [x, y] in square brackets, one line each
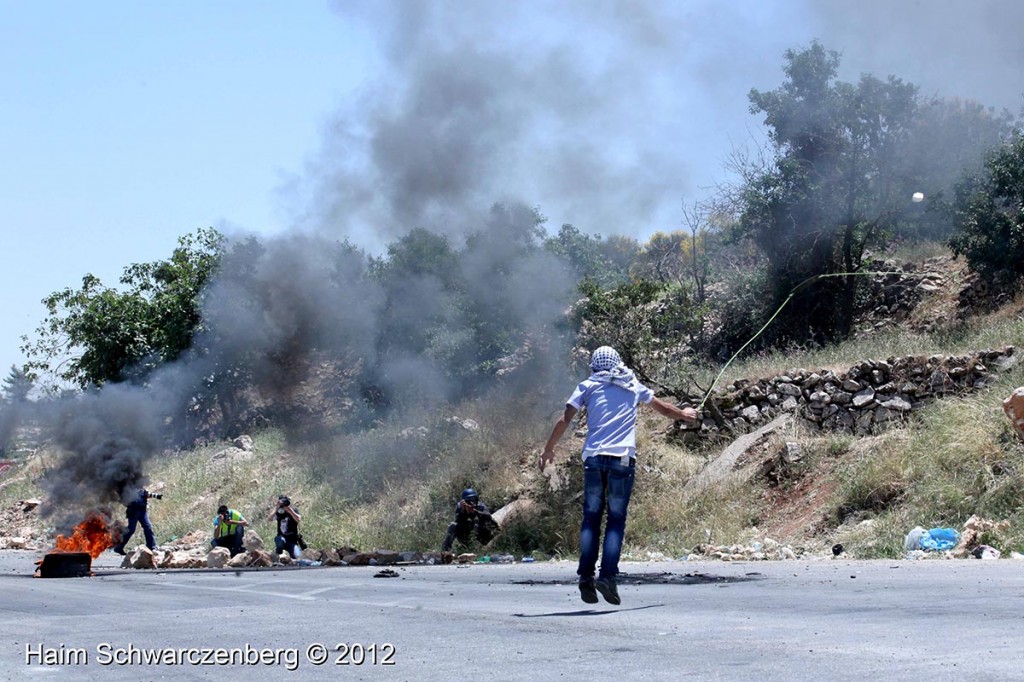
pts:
[611, 416]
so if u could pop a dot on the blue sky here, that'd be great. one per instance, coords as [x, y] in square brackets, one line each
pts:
[126, 125]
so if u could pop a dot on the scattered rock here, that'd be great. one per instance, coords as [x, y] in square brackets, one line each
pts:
[1013, 406]
[974, 528]
[183, 559]
[723, 466]
[513, 509]
[433, 558]
[782, 464]
[310, 554]
[752, 414]
[229, 456]
[142, 557]
[464, 424]
[259, 557]
[252, 540]
[13, 543]
[218, 557]
[240, 560]
[195, 538]
[986, 552]
[356, 559]
[768, 550]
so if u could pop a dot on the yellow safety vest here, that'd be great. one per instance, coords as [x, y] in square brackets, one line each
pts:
[227, 528]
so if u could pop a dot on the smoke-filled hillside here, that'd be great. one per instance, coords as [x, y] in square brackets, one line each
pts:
[316, 337]
[415, 293]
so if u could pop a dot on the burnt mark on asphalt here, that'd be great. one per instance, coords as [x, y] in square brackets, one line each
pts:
[585, 612]
[664, 578]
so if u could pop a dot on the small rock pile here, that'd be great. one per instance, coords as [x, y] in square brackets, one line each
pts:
[193, 551]
[20, 527]
[897, 288]
[767, 550]
[977, 293]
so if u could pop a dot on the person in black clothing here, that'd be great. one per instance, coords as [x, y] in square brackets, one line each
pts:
[138, 514]
[471, 515]
[287, 518]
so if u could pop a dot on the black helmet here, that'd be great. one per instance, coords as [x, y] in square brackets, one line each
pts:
[469, 495]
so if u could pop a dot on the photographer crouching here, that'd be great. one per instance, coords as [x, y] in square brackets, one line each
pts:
[472, 517]
[288, 518]
[228, 529]
[137, 512]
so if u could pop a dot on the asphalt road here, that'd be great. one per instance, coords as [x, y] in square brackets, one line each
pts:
[793, 620]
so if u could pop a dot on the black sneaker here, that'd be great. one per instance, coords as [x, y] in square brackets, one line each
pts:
[608, 590]
[587, 592]
[118, 550]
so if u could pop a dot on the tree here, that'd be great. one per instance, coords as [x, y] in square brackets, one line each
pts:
[649, 322]
[603, 261]
[98, 334]
[989, 215]
[422, 286]
[831, 189]
[506, 273]
[681, 257]
[17, 385]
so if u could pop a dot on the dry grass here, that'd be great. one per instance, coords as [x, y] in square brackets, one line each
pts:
[916, 251]
[958, 460]
[992, 331]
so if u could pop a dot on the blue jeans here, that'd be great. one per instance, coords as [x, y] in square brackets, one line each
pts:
[287, 542]
[147, 529]
[233, 542]
[607, 484]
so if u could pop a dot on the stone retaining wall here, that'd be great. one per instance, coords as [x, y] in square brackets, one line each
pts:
[861, 400]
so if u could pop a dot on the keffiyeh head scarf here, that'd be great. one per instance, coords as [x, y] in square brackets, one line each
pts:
[604, 359]
[606, 366]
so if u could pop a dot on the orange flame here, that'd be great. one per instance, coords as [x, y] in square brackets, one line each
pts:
[92, 535]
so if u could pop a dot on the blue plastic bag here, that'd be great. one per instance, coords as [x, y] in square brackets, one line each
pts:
[939, 539]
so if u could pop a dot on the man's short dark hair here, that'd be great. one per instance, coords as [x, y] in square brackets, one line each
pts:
[223, 509]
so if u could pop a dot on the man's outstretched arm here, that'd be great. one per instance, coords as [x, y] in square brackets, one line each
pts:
[557, 432]
[686, 414]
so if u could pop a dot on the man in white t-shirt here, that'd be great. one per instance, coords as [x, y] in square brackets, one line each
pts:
[611, 396]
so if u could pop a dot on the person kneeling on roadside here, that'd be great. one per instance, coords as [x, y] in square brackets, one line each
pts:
[287, 538]
[471, 516]
[228, 527]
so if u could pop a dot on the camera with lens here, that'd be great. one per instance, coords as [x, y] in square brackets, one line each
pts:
[152, 496]
[283, 501]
